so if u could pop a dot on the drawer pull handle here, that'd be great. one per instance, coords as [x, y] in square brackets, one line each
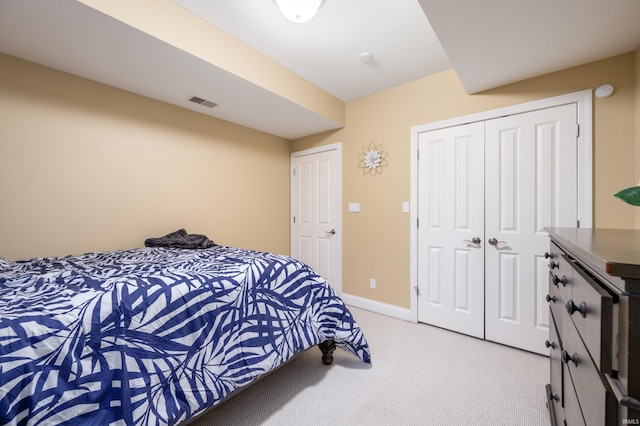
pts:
[562, 280]
[548, 255]
[551, 299]
[566, 358]
[549, 344]
[553, 265]
[555, 397]
[630, 402]
[582, 308]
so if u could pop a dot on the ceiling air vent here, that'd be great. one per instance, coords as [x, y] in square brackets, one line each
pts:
[203, 102]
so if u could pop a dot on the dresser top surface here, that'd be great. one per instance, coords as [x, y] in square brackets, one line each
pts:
[614, 251]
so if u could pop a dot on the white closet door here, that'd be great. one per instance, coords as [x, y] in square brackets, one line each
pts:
[451, 211]
[531, 183]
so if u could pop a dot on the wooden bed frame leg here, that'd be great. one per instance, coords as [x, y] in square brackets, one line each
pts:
[327, 347]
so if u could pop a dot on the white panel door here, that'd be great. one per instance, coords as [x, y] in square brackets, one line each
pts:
[450, 233]
[316, 206]
[531, 183]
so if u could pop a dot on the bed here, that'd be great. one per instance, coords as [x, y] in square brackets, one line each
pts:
[156, 335]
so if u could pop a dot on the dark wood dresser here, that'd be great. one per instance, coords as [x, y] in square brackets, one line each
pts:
[594, 326]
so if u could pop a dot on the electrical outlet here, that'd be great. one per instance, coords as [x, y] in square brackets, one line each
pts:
[372, 283]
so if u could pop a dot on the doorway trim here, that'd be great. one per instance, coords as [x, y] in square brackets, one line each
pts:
[583, 101]
[337, 283]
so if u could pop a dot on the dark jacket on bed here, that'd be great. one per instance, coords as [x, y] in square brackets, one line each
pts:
[180, 239]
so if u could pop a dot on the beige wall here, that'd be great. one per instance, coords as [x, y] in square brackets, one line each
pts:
[637, 118]
[87, 167]
[376, 241]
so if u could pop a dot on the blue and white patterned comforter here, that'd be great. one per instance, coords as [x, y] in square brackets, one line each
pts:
[154, 335]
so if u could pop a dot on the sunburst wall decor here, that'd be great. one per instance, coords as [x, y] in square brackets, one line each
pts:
[372, 159]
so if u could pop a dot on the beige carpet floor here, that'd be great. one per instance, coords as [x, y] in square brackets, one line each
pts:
[420, 375]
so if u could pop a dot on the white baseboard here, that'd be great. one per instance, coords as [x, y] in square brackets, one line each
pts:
[377, 307]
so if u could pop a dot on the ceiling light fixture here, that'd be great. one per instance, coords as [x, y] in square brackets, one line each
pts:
[299, 10]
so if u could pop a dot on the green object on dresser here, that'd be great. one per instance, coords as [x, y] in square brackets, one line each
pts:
[629, 195]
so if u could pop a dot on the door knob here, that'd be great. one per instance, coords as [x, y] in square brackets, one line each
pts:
[495, 242]
[330, 233]
[474, 240]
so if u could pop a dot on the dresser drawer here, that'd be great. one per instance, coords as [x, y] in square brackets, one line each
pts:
[555, 366]
[564, 277]
[591, 309]
[559, 263]
[560, 275]
[572, 412]
[556, 303]
[597, 401]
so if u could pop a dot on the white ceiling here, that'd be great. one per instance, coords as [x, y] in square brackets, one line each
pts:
[489, 43]
[325, 50]
[496, 42]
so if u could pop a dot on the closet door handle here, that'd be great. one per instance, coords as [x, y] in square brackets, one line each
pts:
[494, 242]
[474, 240]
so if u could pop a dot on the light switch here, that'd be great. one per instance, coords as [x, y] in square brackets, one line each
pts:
[354, 207]
[405, 207]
